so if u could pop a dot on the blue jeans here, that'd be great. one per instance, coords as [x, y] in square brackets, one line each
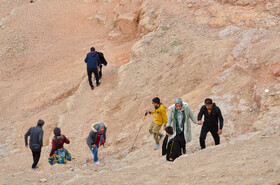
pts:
[95, 154]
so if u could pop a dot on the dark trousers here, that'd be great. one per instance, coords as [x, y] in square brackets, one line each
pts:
[36, 157]
[182, 141]
[204, 130]
[100, 72]
[89, 72]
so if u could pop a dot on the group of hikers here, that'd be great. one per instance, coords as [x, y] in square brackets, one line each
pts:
[177, 127]
[59, 154]
[97, 136]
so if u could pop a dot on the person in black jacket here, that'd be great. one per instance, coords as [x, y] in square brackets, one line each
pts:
[171, 146]
[92, 60]
[212, 114]
[102, 61]
[96, 138]
[35, 141]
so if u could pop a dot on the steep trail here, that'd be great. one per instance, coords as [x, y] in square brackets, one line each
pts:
[192, 55]
[47, 78]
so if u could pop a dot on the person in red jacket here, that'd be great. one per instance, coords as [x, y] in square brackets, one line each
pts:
[58, 141]
[58, 153]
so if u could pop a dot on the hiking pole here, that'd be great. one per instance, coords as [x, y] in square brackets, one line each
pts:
[131, 149]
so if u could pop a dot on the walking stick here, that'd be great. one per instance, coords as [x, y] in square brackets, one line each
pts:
[142, 122]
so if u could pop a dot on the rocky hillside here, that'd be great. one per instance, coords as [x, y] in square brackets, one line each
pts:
[224, 49]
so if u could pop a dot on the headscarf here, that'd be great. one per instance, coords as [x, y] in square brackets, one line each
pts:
[97, 127]
[180, 116]
[179, 100]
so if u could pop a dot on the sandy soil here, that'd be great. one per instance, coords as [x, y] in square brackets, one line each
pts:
[228, 51]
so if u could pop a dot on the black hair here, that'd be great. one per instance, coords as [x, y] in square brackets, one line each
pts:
[208, 101]
[57, 133]
[169, 130]
[156, 100]
[92, 49]
[40, 122]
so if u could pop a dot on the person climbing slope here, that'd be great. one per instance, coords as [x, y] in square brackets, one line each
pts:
[102, 61]
[212, 114]
[160, 118]
[171, 146]
[96, 138]
[58, 153]
[179, 118]
[35, 141]
[92, 60]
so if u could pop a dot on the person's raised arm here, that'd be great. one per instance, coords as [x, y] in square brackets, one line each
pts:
[66, 140]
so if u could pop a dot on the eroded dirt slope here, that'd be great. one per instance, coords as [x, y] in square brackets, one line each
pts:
[226, 50]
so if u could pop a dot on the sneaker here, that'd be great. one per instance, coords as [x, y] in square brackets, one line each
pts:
[95, 80]
[157, 147]
[34, 168]
[97, 163]
[97, 84]
[31, 1]
[161, 136]
[92, 87]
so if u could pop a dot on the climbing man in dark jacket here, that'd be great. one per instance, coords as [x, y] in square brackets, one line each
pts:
[96, 138]
[212, 115]
[92, 60]
[171, 146]
[35, 141]
[102, 61]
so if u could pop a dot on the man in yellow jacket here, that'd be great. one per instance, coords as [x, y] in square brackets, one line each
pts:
[160, 118]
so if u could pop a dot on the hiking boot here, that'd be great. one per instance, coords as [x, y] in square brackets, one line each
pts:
[161, 136]
[157, 146]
